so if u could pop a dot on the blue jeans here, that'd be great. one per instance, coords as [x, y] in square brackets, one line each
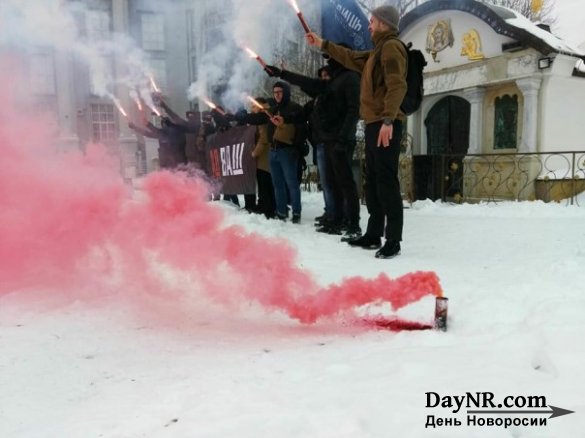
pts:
[284, 163]
[325, 180]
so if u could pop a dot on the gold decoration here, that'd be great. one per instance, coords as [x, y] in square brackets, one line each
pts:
[439, 37]
[536, 6]
[472, 46]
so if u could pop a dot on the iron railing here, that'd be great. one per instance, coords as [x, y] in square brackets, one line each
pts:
[546, 176]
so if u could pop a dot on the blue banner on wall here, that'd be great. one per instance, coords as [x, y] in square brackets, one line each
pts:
[343, 21]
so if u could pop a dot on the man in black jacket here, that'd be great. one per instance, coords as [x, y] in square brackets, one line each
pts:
[171, 142]
[333, 120]
[286, 140]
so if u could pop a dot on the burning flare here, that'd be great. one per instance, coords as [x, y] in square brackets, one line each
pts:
[119, 106]
[136, 98]
[256, 56]
[295, 6]
[259, 105]
[213, 106]
[154, 87]
[300, 15]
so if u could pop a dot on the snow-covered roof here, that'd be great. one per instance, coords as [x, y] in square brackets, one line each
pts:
[504, 21]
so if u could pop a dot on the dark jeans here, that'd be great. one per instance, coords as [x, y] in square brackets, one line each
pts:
[383, 197]
[344, 187]
[325, 179]
[284, 164]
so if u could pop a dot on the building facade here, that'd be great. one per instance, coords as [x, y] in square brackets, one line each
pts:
[495, 83]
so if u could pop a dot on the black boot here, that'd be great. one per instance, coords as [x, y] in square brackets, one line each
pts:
[351, 233]
[330, 227]
[366, 242]
[390, 250]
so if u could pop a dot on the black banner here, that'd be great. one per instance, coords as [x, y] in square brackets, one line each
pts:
[229, 160]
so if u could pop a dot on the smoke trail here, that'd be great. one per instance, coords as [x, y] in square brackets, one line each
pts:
[55, 23]
[263, 28]
[68, 227]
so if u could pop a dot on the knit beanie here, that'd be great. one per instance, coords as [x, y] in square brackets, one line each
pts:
[388, 15]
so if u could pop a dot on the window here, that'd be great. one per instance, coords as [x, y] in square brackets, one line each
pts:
[103, 123]
[101, 74]
[158, 68]
[97, 25]
[42, 73]
[152, 31]
[506, 122]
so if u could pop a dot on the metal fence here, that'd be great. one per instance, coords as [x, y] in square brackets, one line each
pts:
[546, 176]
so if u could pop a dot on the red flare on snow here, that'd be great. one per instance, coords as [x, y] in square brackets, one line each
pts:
[68, 228]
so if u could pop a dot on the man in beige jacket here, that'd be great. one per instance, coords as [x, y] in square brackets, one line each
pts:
[383, 87]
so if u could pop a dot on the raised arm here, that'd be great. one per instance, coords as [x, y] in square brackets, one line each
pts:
[175, 118]
[149, 131]
[310, 86]
[351, 59]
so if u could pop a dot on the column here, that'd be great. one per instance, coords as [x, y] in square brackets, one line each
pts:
[476, 97]
[530, 88]
[66, 108]
[128, 140]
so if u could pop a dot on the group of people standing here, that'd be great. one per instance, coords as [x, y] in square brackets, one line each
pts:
[353, 84]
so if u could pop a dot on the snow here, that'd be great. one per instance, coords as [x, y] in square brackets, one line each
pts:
[512, 272]
[552, 40]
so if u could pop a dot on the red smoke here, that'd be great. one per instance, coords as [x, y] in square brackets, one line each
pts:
[68, 226]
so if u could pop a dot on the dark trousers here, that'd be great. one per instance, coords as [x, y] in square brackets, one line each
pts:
[266, 202]
[383, 197]
[232, 198]
[263, 203]
[344, 189]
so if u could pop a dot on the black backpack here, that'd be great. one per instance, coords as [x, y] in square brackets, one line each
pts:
[414, 78]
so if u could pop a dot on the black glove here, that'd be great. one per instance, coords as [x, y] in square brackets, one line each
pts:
[272, 71]
[241, 116]
[220, 120]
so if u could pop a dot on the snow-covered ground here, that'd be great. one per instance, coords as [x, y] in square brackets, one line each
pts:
[514, 276]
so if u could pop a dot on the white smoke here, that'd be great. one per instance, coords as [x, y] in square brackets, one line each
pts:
[259, 25]
[55, 24]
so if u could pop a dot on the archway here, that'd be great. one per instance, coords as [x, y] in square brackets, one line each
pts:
[439, 174]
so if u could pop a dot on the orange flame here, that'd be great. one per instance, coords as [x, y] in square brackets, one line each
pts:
[259, 105]
[119, 106]
[255, 55]
[154, 84]
[295, 6]
[255, 102]
[251, 52]
[213, 106]
[138, 104]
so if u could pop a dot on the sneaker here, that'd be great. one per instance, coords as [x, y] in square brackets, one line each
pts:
[366, 242]
[390, 250]
[296, 218]
[352, 234]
